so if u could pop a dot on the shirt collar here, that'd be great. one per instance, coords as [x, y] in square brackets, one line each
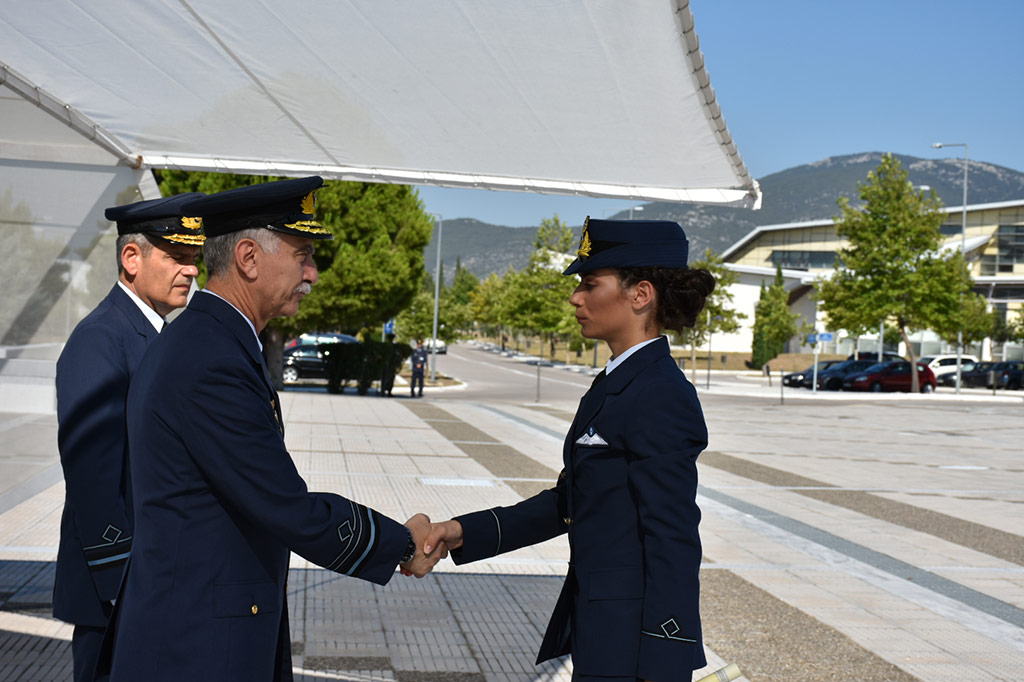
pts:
[615, 362]
[247, 320]
[151, 315]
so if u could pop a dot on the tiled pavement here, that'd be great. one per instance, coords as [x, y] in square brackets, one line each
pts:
[833, 550]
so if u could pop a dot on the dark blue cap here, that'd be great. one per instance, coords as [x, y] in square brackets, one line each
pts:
[629, 244]
[162, 218]
[287, 206]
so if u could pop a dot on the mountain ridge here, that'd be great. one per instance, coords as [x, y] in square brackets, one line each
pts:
[802, 193]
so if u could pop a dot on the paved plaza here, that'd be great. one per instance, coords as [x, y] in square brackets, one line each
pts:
[871, 539]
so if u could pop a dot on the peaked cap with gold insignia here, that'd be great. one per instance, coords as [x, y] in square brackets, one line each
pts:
[630, 244]
[287, 206]
[162, 218]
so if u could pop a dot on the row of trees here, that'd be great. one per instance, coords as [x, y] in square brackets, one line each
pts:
[534, 300]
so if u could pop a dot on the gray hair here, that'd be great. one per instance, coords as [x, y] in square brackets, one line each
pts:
[219, 251]
[123, 240]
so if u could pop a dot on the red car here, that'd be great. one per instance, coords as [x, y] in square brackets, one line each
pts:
[890, 376]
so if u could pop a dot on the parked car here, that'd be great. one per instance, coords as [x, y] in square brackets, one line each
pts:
[313, 338]
[796, 378]
[972, 375]
[944, 364]
[890, 376]
[442, 348]
[832, 378]
[304, 361]
[1011, 377]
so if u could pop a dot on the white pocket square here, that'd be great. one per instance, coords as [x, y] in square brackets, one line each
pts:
[591, 438]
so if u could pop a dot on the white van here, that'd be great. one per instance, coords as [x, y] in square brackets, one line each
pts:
[944, 364]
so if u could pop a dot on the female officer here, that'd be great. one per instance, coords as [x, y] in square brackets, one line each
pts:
[628, 609]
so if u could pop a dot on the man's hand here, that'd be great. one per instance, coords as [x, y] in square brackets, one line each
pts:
[422, 562]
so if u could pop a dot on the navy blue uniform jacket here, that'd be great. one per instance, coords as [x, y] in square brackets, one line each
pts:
[218, 506]
[93, 374]
[629, 605]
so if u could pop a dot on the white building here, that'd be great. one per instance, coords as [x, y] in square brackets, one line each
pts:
[994, 243]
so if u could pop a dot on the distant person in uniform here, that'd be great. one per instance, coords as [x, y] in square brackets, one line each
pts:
[627, 495]
[419, 367]
[157, 249]
[391, 357]
[219, 505]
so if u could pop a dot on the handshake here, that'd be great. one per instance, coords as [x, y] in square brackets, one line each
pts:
[433, 541]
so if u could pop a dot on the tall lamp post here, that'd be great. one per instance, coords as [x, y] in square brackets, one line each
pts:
[963, 254]
[437, 297]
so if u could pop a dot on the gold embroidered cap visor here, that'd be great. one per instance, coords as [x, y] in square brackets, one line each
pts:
[160, 218]
[630, 243]
[287, 206]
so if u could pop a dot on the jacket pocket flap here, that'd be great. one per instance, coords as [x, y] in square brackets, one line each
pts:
[245, 599]
[617, 583]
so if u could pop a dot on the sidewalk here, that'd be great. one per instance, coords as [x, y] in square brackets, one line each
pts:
[892, 553]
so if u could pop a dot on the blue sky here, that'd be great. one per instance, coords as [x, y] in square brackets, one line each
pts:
[802, 80]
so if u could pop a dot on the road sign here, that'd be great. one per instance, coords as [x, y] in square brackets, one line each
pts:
[825, 336]
[812, 339]
[389, 326]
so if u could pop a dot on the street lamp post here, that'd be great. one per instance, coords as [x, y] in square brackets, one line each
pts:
[437, 298]
[963, 254]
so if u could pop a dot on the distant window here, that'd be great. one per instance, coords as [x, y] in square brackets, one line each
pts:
[951, 229]
[804, 260]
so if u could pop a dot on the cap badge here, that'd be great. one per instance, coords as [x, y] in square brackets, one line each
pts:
[584, 249]
[191, 223]
[309, 204]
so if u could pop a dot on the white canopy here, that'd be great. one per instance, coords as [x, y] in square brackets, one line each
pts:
[590, 97]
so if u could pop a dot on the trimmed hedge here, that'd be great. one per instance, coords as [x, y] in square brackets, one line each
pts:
[362, 363]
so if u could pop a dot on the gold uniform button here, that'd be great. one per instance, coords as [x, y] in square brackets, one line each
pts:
[568, 520]
[255, 609]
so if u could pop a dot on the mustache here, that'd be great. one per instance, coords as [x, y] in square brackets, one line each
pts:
[304, 288]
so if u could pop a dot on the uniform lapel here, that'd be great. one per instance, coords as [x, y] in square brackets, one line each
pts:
[233, 321]
[614, 383]
[131, 311]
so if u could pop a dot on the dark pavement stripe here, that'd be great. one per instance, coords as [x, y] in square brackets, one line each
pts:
[901, 569]
[997, 543]
[503, 461]
[771, 640]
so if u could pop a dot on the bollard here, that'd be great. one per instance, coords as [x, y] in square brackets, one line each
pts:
[992, 377]
[782, 400]
[768, 373]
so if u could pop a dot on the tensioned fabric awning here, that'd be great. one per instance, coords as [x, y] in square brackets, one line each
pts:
[589, 97]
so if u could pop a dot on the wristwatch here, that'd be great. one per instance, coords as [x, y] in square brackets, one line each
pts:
[410, 550]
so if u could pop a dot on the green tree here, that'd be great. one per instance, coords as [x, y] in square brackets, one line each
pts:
[457, 300]
[893, 269]
[774, 323]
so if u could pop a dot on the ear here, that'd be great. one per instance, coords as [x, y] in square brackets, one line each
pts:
[643, 295]
[131, 258]
[247, 256]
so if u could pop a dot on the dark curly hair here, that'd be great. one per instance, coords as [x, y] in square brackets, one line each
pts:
[682, 292]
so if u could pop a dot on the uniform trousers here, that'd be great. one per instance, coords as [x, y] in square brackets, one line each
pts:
[85, 650]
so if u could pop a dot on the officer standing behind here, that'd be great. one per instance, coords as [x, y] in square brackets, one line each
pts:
[219, 505]
[156, 253]
[627, 495]
[419, 366]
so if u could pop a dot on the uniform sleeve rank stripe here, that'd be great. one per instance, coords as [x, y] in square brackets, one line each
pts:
[102, 553]
[497, 522]
[358, 537]
[109, 560]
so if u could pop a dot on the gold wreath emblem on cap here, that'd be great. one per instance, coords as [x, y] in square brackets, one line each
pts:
[584, 249]
[309, 204]
[191, 223]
